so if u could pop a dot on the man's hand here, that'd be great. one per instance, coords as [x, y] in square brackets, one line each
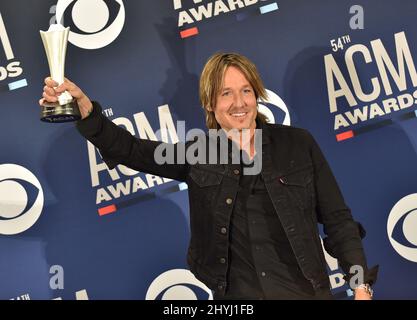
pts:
[51, 91]
[362, 294]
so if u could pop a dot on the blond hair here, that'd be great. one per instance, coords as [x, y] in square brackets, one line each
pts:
[211, 82]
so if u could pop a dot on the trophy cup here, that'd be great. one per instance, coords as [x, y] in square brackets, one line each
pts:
[55, 43]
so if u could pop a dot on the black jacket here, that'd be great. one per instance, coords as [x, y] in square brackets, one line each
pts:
[298, 179]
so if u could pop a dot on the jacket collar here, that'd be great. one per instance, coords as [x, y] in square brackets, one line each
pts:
[266, 133]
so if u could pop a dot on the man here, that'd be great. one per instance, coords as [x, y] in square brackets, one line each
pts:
[252, 236]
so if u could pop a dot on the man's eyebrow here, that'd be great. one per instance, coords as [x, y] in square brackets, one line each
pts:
[244, 86]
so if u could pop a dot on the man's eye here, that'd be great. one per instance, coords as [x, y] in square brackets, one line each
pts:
[225, 93]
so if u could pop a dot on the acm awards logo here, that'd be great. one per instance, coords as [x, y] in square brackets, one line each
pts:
[79, 295]
[94, 23]
[192, 13]
[21, 199]
[9, 67]
[402, 224]
[207, 10]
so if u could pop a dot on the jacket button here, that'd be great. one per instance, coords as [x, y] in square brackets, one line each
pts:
[283, 180]
[229, 201]
[223, 230]
[236, 172]
[263, 274]
[222, 260]
[220, 287]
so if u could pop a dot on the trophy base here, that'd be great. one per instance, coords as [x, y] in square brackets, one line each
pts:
[56, 113]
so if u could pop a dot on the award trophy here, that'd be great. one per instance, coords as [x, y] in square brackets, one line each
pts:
[55, 43]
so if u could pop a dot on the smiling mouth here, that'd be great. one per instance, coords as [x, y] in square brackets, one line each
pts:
[238, 114]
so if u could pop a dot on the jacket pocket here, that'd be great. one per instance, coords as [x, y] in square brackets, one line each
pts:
[298, 183]
[204, 188]
[205, 178]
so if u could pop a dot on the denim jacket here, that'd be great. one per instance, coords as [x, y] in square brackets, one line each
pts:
[297, 177]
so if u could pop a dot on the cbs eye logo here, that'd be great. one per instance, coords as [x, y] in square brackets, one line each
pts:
[178, 284]
[402, 222]
[21, 199]
[274, 100]
[95, 23]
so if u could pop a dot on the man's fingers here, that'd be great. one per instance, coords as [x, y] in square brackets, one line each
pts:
[51, 83]
[66, 86]
[49, 91]
[41, 101]
[49, 98]
[74, 90]
[61, 88]
[69, 82]
[52, 90]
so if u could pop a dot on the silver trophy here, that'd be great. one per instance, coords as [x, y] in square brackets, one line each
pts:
[55, 43]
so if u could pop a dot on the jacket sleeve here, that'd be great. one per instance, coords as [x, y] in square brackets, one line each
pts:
[118, 146]
[344, 235]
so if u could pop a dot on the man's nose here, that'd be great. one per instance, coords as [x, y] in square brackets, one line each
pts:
[238, 100]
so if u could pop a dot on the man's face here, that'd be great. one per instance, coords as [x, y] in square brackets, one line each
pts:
[236, 106]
